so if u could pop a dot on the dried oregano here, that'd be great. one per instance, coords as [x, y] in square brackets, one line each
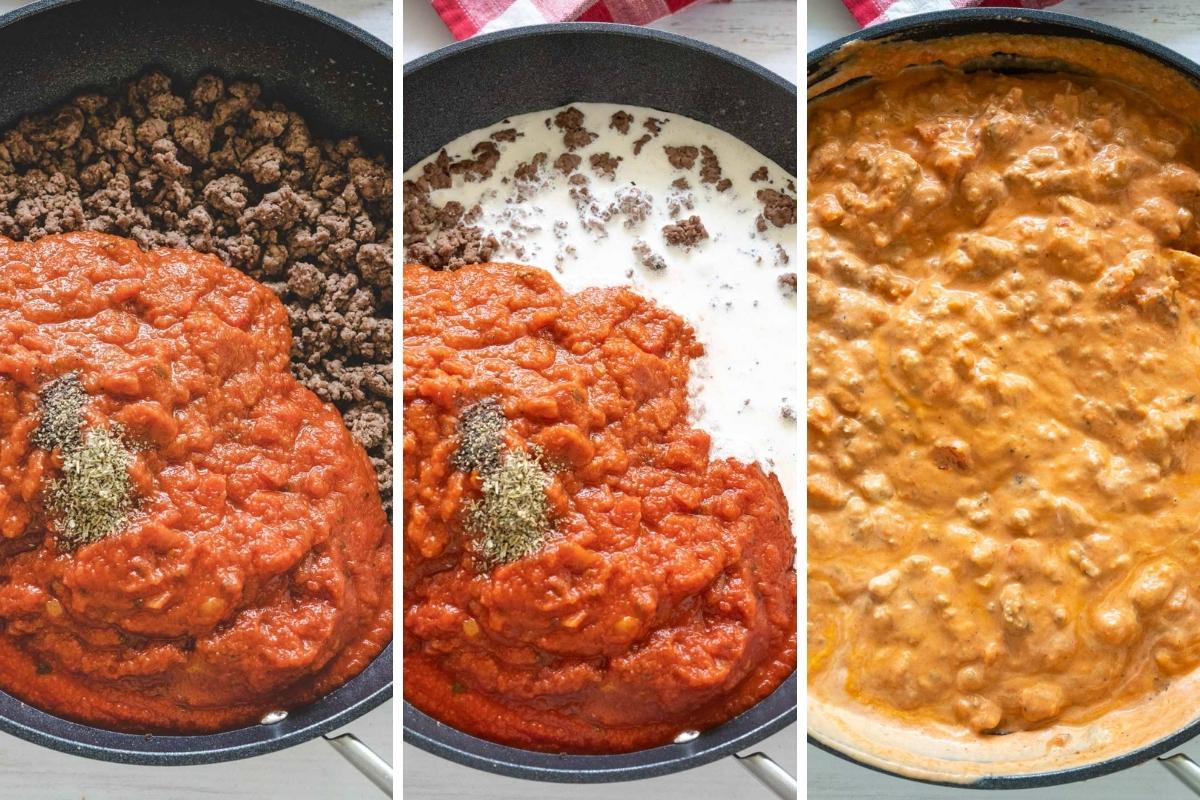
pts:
[94, 495]
[512, 517]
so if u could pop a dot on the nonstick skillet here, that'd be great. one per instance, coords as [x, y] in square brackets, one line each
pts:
[483, 80]
[860, 744]
[340, 78]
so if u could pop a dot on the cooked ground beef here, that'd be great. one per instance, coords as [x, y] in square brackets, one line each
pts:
[217, 168]
[686, 234]
[683, 157]
[778, 207]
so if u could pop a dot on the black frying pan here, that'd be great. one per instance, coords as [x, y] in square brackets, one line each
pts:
[481, 81]
[822, 64]
[340, 78]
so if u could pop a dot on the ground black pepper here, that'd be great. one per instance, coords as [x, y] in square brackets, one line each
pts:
[62, 401]
[480, 430]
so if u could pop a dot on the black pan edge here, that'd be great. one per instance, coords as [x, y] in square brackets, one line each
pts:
[769, 716]
[777, 142]
[1006, 20]
[615, 29]
[320, 15]
[1018, 21]
[49, 54]
[362, 693]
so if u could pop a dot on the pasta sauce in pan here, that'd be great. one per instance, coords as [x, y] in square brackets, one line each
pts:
[188, 537]
[580, 576]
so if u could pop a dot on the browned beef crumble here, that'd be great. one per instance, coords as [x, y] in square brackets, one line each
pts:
[529, 170]
[605, 164]
[620, 122]
[686, 234]
[710, 169]
[567, 163]
[219, 169]
[682, 157]
[648, 258]
[778, 208]
[570, 122]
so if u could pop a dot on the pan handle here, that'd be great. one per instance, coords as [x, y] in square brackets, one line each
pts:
[364, 759]
[1185, 769]
[773, 776]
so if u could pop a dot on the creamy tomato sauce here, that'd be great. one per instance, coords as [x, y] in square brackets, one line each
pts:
[254, 572]
[664, 598]
[1004, 398]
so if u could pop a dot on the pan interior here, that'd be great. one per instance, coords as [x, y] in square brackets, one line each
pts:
[495, 76]
[340, 77]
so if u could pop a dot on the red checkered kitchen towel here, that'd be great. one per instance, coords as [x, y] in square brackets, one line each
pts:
[465, 18]
[868, 12]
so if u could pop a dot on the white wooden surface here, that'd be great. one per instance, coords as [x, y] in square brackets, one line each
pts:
[311, 771]
[763, 31]
[1175, 23]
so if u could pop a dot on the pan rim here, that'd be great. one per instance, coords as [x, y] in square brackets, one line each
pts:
[897, 30]
[94, 742]
[602, 28]
[1119, 36]
[101, 744]
[666, 41]
[472, 751]
[303, 9]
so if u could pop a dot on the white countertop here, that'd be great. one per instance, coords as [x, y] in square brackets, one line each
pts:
[1176, 24]
[763, 31]
[311, 771]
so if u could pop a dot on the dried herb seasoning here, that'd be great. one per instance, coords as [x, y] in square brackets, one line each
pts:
[94, 494]
[512, 517]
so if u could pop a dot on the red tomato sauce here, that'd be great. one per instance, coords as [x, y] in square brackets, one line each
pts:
[254, 573]
[663, 601]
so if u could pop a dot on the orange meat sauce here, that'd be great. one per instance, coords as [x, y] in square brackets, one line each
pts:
[662, 598]
[252, 571]
[1003, 310]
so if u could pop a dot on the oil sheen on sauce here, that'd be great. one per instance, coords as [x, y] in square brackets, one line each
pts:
[726, 288]
[1004, 401]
